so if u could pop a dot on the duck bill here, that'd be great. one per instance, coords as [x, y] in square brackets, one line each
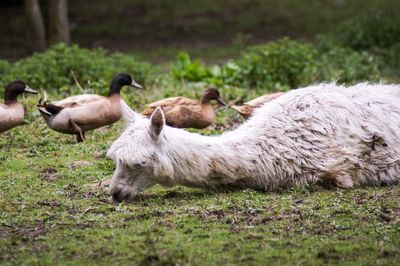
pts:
[135, 85]
[220, 101]
[30, 90]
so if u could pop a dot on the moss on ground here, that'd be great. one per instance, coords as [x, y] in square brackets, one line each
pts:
[52, 212]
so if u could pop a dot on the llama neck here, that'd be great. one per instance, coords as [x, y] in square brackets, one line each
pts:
[214, 162]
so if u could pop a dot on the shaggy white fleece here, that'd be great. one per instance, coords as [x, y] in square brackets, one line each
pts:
[324, 133]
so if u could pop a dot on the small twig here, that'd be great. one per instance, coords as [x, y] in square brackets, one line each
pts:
[88, 210]
[76, 80]
[271, 207]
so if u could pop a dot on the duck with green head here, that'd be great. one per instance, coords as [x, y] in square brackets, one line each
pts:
[12, 112]
[81, 113]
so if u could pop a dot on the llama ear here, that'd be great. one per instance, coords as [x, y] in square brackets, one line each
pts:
[157, 121]
[128, 114]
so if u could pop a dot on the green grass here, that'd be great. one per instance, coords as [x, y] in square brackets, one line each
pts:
[52, 212]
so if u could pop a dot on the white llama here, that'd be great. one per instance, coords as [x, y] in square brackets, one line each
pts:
[324, 133]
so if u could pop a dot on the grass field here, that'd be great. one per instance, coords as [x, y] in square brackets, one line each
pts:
[53, 208]
[52, 211]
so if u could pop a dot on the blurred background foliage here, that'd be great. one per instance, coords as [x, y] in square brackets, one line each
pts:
[245, 48]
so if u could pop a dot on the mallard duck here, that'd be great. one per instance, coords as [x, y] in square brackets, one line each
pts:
[81, 113]
[11, 111]
[182, 112]
[247, 108]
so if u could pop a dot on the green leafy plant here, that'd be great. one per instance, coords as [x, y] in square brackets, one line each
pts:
[54, 69]
[391, 61]
[345, 65]
[284, 63]
[185, 68]
[371, 30]
[278, 65]
[287, 64]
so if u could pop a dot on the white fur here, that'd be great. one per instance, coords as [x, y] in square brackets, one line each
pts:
[324, 133]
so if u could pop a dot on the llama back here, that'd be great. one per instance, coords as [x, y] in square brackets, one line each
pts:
[348, 135]
[358, 109]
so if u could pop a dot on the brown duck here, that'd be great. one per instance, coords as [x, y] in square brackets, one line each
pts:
[11, 111]
[247, 108]
[182, 112]
[81, 113]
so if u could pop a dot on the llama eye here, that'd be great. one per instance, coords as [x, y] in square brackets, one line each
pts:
[139, 164]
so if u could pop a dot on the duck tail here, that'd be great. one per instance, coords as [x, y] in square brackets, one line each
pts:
[49, 109]
[244, 110]
[46, 108]
[43, 111]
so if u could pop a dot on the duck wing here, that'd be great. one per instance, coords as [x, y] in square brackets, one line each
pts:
[95, 113]
[54, 108]
[173, 101]
[170, 104]
[78, 100]
[190, 116]
[11, 116]
[4, 114]
[263, 99]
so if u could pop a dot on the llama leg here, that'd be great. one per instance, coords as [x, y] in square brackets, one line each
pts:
[340, 179]
[80, 136]
[343, 180]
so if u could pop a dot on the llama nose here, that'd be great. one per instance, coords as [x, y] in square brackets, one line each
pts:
[116, 195]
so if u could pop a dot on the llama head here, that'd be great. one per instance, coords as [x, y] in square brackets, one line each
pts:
[140, 155]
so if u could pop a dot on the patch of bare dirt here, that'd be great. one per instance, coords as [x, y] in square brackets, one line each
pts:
[98, 154]
[26, 233]
[102, 186]
[146, 216]
[389, 215]
[49, 203]
[329, 254]
[31, 232]
[78, 164]
[49, 174]
[247, 217]
[73, 191]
